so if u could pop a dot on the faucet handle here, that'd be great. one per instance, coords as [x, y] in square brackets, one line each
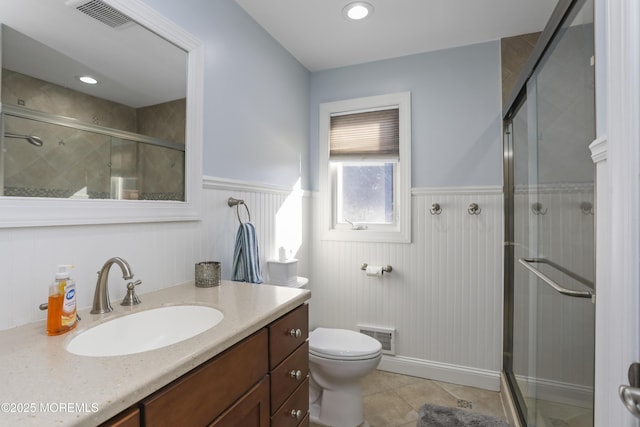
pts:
[131, 298]
[131, 285]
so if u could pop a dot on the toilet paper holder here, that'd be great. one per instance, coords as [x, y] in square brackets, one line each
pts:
[386, 268]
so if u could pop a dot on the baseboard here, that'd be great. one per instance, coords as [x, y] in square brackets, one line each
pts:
[556, 391]
[463, 375]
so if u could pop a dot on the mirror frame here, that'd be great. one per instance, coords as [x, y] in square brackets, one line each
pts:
[37, 212]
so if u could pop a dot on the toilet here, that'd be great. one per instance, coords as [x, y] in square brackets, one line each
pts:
[338, 360]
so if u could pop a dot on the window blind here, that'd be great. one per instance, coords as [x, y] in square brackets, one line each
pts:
[366, 134]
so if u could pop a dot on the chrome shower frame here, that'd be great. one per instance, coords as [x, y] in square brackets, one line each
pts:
[25, 113]
[2, 153]
[518, 97]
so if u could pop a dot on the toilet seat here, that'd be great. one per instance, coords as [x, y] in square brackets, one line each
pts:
[343, 344]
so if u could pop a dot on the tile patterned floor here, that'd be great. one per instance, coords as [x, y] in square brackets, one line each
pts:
[393, 400]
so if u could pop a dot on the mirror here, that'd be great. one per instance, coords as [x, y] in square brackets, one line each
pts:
[135, 136]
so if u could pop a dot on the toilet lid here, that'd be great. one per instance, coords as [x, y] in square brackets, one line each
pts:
[342, 344]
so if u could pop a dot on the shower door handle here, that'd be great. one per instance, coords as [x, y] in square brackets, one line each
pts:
[526, 262]
[630, 394]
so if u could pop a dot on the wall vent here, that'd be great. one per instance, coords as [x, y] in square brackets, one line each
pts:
[101, 11]
[386, 336]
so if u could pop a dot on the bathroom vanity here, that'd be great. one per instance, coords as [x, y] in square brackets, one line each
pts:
[251, 369]
[250, 384]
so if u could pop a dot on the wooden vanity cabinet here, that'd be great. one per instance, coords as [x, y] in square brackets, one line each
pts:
[251, 410]
[199, 397]
[288, 376]
[289, 368]
[127, 418]
[261, 381]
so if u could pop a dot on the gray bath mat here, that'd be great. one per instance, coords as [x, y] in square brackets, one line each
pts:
[440, 416]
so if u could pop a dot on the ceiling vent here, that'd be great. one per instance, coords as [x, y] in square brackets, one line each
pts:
[101, 11]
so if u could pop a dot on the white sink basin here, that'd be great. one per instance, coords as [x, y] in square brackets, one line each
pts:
[144, 330]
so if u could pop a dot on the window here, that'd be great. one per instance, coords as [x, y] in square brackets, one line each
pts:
[365, 169]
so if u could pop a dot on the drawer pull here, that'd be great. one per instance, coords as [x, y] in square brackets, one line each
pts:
[296, 375]
[296, 414]
[295, 333]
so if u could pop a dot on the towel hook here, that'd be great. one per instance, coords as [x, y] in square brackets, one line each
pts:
[538, 209]
[586, 208]
[436, 209]
[474, 209]
[237, 202]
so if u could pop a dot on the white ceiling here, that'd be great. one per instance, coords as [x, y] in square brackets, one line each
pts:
[316, 33]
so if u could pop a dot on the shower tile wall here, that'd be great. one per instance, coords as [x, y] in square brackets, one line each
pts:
[171, 129]
[514, 54]
[162, 170]
[443, 297]
[21, 90]
[31, 171]
[162, 173]
[37, 172]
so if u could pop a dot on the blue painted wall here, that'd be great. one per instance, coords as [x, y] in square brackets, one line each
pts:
[256, 101]
[456, 111]
[261, 105]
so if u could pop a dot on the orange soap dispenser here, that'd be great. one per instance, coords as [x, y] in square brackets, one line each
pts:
[61, 312]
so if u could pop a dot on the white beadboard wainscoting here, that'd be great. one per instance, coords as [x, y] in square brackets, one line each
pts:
[279, 215]
[443, 297]
[161, 254]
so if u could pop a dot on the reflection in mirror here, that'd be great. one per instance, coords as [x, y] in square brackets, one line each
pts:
[122, 138]
[70, 159]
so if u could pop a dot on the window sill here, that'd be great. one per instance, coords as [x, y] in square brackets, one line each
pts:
[394, 236]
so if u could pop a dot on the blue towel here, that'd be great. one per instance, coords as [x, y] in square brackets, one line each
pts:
[246, 261]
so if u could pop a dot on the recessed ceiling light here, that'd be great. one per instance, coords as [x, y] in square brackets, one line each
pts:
[357, 10]
[88, 80]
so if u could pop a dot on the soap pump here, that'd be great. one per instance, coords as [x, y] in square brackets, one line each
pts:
[61, 312]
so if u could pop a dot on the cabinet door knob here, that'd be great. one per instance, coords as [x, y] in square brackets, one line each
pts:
[295, 333]
[296, 414]
[296, 375]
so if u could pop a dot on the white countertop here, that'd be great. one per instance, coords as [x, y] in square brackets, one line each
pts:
[43, 384]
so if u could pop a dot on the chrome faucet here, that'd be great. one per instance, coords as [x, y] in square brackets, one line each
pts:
[101, 303]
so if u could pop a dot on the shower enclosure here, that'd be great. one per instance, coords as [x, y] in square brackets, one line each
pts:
[46, 155]
[549, 226]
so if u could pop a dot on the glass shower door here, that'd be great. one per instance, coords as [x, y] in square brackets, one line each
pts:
[550, 272]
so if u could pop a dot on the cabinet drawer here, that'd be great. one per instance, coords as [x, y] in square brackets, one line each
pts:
[306, 421]
[198, 397]
[289, 375]
[127, 418]
[252, 410]
[299, 401]
[288, 333]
